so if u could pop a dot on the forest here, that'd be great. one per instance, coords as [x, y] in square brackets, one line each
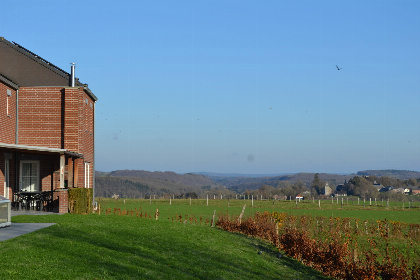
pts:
[143, 184]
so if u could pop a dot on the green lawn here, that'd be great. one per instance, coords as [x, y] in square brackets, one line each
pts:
[126, 247]
[179, 245]
[199, 208]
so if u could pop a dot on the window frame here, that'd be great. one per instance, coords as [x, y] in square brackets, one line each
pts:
[37, 176]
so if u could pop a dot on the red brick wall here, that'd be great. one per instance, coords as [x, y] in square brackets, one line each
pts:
[87, 133]
[40, 122]
[7, 121]
[63, 202]
[71, 119]
[51, 117]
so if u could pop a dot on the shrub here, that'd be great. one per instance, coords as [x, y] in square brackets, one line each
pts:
[80, 200]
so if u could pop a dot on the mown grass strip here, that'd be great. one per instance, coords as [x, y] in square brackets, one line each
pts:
[125, 247]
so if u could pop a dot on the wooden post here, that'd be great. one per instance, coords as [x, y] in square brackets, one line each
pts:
[207, 200]
[214, 215]
[319, 203]
[242, 213]
[157, 214]
[252, 201]
[342, 202]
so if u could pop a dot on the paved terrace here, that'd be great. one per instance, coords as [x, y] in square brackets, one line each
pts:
[18, 229]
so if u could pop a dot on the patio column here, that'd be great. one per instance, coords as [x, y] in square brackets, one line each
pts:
[62, 164]
[76, 173]
[70, 173]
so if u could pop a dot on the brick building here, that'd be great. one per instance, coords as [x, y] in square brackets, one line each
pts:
[46, 129]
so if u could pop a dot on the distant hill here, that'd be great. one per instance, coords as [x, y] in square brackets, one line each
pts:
[240, 184]
[399, 174]
[188, 179]
[140, 183]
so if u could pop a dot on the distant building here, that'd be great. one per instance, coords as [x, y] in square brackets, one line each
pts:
[300, 197]
[340, 193]
[377, 186]
[327, 191]
[386, 189]
[402, 190]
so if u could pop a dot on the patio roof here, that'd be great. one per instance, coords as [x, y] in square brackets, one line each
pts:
[40, 149]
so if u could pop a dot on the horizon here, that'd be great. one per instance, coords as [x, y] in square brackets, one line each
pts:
[246, 87]
[261, 174]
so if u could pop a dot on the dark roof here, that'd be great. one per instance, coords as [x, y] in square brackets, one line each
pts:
[27, 69]
[8, 82]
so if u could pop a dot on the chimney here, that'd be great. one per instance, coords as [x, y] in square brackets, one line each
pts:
[73, 75]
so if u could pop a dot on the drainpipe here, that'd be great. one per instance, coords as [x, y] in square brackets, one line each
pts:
[17, 118]
[93, 165]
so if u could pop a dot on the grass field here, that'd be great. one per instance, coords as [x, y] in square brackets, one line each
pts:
[179, 245]
[124, 247]
[198, 207]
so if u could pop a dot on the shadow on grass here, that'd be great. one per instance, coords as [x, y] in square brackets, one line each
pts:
[126, 248]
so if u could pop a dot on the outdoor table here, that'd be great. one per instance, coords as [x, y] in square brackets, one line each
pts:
[30, 199]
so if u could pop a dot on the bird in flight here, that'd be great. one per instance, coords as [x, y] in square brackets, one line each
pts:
[338, 68]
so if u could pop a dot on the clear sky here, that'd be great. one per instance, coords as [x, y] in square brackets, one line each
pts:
[238, 86]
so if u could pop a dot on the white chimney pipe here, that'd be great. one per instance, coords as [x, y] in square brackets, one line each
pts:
[73, 75]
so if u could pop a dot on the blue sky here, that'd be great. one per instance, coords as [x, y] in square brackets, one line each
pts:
[239, 86]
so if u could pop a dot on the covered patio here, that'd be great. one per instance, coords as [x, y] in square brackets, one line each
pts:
[37, 178]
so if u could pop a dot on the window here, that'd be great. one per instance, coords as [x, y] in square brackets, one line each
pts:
[29, 176]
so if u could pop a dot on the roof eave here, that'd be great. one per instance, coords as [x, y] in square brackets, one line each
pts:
[8, 82]
[41, 149]
[90, 93]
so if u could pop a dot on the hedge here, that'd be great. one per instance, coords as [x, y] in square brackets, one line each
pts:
[80, 200]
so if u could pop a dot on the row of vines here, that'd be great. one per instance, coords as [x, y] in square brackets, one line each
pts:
[344, 248]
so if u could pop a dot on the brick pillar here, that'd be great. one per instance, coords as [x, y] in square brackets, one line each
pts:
[70, 173]
[63, 200]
